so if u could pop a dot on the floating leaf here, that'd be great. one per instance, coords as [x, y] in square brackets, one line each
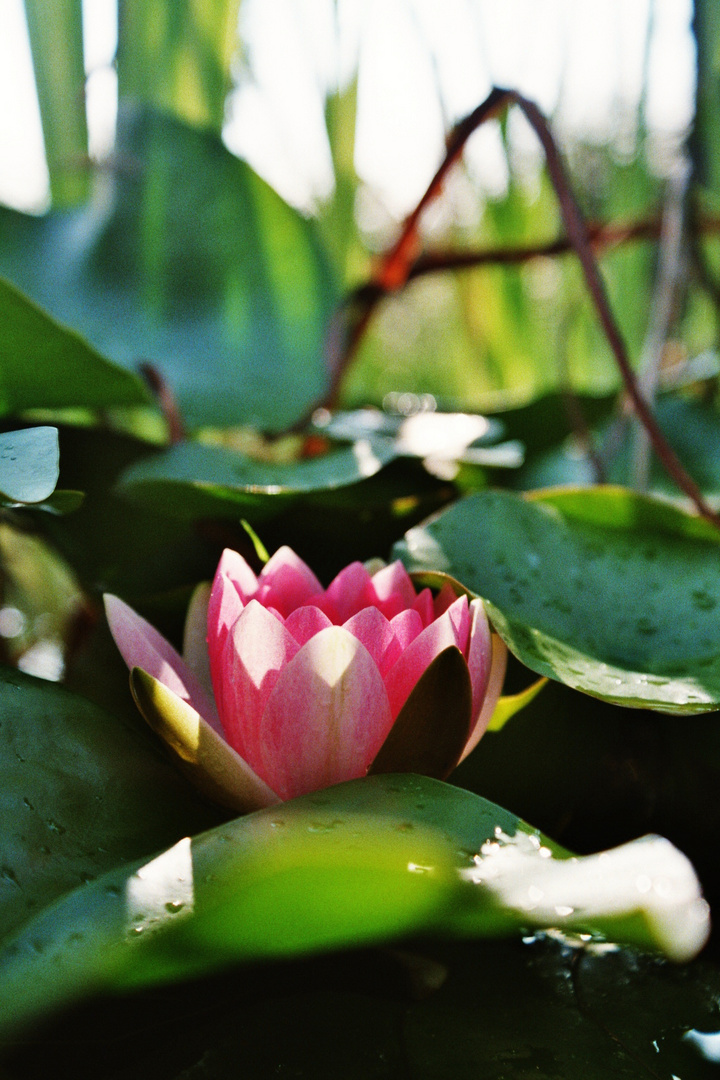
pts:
[29, 464]
[610, 592]
[192, 480]
[80, 792]
[365, 862]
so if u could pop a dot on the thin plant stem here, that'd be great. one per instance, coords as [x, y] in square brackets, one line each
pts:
[396, 268]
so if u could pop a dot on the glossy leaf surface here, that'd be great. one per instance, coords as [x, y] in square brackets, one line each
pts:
[190, 479]
[80, 792]
[29, 464]
[365, 862]
[609, 592]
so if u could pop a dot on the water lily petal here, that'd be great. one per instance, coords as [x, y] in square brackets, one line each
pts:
[492, 693]
[375, 632]
[393, 589]
[207, 759]
[239, 572]
[433, 725]
[256, 650]
[327, 717]
[406, 626]
[444, 599]
[351, 591]
[479, 655]
[424, 607]
[305, 622]
[142, 646]
[286, 582]
[224, 609]
[195, 650]
[450, 629]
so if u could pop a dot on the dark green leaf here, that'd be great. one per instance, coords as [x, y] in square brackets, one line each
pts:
[192, 480]
[44, 365]
[79, 793]
[609, 592]
[495, 1010]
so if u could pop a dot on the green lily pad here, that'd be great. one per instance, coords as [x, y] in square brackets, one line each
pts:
[612, 593]
[80, 792]
[366, 862]
[44, 365]
[192, 480]
[29, 464]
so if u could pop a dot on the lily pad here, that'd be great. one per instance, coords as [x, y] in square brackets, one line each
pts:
[612, 593]
[80, 792]
[192, 480]
[366, 862]
[29, 464]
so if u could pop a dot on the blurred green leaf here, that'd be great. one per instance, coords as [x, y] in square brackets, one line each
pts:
[176, 56]
[705, 142]
[361, 863]
[607, 591]
[44, 365]
[56, 39]
[187, 258]
[191, 480]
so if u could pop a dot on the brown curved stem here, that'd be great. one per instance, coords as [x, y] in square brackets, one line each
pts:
[397, 267]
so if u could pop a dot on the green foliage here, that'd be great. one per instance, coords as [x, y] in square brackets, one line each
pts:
[193, 261]
[177, 254]
[609, 592]
[44, 365]
[60, 82]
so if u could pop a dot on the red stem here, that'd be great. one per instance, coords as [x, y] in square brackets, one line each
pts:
[399, 263]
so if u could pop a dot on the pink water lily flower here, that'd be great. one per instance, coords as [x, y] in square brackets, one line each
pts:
[285, 687]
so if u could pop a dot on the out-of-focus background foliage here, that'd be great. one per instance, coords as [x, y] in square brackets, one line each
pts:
[190, 188]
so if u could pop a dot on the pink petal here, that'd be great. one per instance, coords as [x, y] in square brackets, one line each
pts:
[305, 622]
[459, 615]
[351, 591]
[327, 717]
[195, 650]
[492, 693]
[142, 646]
[424, 607]
[286, 582]
[224, 609]
[444, 599]
[371, 628]
[256, 650]
[237, 570]
[406, 626]
[394, 589]
[439, 635]
[479, 658]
